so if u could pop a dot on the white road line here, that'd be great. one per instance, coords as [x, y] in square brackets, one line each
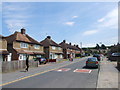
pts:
[90, 71]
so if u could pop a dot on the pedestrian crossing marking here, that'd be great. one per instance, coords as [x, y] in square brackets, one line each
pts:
[63, 69]
[82, 70]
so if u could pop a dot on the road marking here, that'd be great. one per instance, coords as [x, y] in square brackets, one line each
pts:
[37, 74]
[63, 69]
[82, 70]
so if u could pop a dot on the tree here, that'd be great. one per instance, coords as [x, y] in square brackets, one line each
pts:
[103, 46]
[97, 46]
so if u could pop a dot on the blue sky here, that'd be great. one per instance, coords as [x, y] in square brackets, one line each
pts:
[86, 22]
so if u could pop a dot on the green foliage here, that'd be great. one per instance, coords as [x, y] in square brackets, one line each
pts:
[103, 46]
[97, 46]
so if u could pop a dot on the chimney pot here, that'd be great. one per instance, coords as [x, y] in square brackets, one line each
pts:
[23, 31]
[49, 37]
[64, 41]
[70, 43]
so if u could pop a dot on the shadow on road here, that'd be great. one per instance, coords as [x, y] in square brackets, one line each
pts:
[23, 71]
[85, 67]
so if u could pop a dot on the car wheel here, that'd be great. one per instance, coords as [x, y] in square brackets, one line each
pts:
[44, 62]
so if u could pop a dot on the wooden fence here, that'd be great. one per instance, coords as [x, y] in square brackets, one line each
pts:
[8, 66]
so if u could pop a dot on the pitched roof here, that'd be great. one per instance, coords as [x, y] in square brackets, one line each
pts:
[65, 45]
[49, 42]
[18, 36]
[1, 37]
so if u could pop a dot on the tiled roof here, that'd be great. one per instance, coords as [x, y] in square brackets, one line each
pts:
[28, 52]
[65, 45]
[49, 42]
[18, 36]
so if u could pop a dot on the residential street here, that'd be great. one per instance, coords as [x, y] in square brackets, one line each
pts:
[60, 44]
[64, 78]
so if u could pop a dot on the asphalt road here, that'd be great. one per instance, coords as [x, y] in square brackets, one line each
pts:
[61, 79]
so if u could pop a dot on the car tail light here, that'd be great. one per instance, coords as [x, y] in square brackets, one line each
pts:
[97, 62]
[86, 61]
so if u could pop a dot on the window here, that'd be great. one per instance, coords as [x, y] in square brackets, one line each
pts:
[55, 56]
[61, 56]
[37, 46]
[59, 48]
[24, 45]
[22, 57]
[38, 55]
[53, 47]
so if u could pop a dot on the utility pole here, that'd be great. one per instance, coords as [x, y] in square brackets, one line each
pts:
[81, 45]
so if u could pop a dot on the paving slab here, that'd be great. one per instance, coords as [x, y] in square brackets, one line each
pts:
[108, 75]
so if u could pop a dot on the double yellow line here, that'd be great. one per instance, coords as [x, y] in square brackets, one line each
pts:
[33, 75]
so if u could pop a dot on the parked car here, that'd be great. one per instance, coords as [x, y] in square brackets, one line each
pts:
[41, 60]
[92, 62]
[114, 56]
[98, 56]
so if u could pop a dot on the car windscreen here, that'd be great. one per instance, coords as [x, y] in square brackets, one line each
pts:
[92, 59]
[96, 55]
[116, 54]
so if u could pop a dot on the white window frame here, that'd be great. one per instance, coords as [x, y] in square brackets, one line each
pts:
[22, 56]
[61, 56]
[36, 46]
[23, 45]
[53, 47]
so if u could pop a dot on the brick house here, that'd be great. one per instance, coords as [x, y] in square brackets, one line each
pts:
[69, 50]
[21, 44]
[3, 49]
[52, 49]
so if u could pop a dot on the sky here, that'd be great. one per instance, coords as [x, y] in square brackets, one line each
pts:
[75, 22]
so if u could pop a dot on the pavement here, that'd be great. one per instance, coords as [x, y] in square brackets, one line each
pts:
[108, 74]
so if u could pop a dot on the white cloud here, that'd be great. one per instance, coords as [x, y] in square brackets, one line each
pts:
[90, 32]
[70, 23]
[15, 7]
[15, 25]
[111, 40]
[15, 17]
[89, 45]
[75, 17]
[110, 20]
[101, 20]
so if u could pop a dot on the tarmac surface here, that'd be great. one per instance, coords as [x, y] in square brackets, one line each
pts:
[64, 77]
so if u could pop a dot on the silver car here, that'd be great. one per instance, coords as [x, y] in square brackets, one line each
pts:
[92, 62]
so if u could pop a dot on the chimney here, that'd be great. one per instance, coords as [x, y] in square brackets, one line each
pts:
[76, 45]
[23, 31]
[70, 43]
[49, 37]
[64, 41]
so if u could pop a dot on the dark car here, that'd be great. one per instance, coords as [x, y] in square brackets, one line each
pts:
[114, 56]
[98, 56]
[41, 60]
[92, 62]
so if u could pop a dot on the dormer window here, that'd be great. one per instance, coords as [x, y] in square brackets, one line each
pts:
[37, 46]
[23, 45]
